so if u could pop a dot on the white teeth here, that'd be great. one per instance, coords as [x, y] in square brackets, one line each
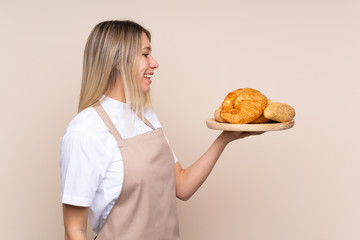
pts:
[148, 76]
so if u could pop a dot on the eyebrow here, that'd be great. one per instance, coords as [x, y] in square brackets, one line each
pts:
[147, 48]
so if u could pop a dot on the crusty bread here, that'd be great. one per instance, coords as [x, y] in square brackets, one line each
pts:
[217, 115]
[279, 112]
[261, 119]
[243, 105]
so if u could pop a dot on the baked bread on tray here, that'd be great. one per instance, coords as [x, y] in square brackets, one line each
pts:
[247, 105]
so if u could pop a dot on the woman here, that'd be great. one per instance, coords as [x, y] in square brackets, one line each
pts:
[116, 165]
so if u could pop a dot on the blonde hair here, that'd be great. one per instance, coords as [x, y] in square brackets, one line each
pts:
[113, 47]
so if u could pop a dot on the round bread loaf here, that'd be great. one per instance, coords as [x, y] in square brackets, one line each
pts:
[279, 112]
[243, 106]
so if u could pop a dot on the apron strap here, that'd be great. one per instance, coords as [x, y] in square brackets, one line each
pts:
[147, 122]
[105, 117]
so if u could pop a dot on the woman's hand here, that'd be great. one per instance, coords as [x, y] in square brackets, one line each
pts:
[229, 136]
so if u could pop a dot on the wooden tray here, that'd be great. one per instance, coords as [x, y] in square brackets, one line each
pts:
[252, 127]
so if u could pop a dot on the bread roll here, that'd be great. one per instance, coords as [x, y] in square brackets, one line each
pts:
[217, 115]
[261, 119]
[279, 112]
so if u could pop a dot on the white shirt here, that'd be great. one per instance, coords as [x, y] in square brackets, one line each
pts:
[91, 162]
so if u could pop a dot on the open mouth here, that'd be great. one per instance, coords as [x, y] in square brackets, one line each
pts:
[148, 77]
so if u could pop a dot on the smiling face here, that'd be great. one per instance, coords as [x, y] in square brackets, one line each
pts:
[147, 64]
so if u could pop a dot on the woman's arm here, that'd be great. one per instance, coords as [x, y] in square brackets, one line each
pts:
[75, 222]
[188, 180]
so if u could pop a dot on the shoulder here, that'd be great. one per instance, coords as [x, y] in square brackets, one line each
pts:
[85, 141]
[86, 131]
[86, 122]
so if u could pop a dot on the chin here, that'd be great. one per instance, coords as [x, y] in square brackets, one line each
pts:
[146, 89]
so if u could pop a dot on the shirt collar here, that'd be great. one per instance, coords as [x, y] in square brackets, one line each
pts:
[111, 104]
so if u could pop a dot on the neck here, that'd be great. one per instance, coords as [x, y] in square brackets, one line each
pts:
[117, 91]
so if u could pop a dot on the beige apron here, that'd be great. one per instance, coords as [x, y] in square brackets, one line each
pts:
[146, 207]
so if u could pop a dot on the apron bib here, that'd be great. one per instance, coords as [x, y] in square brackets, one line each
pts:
[146, 208]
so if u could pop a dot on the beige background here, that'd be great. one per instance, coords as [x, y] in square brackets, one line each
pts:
[297, 184]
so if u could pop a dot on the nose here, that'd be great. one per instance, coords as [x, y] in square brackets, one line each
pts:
[153, 63]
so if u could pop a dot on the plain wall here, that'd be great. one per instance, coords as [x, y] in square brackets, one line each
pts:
[301, 183]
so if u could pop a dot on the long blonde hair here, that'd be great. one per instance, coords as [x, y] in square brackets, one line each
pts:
[113, 47]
